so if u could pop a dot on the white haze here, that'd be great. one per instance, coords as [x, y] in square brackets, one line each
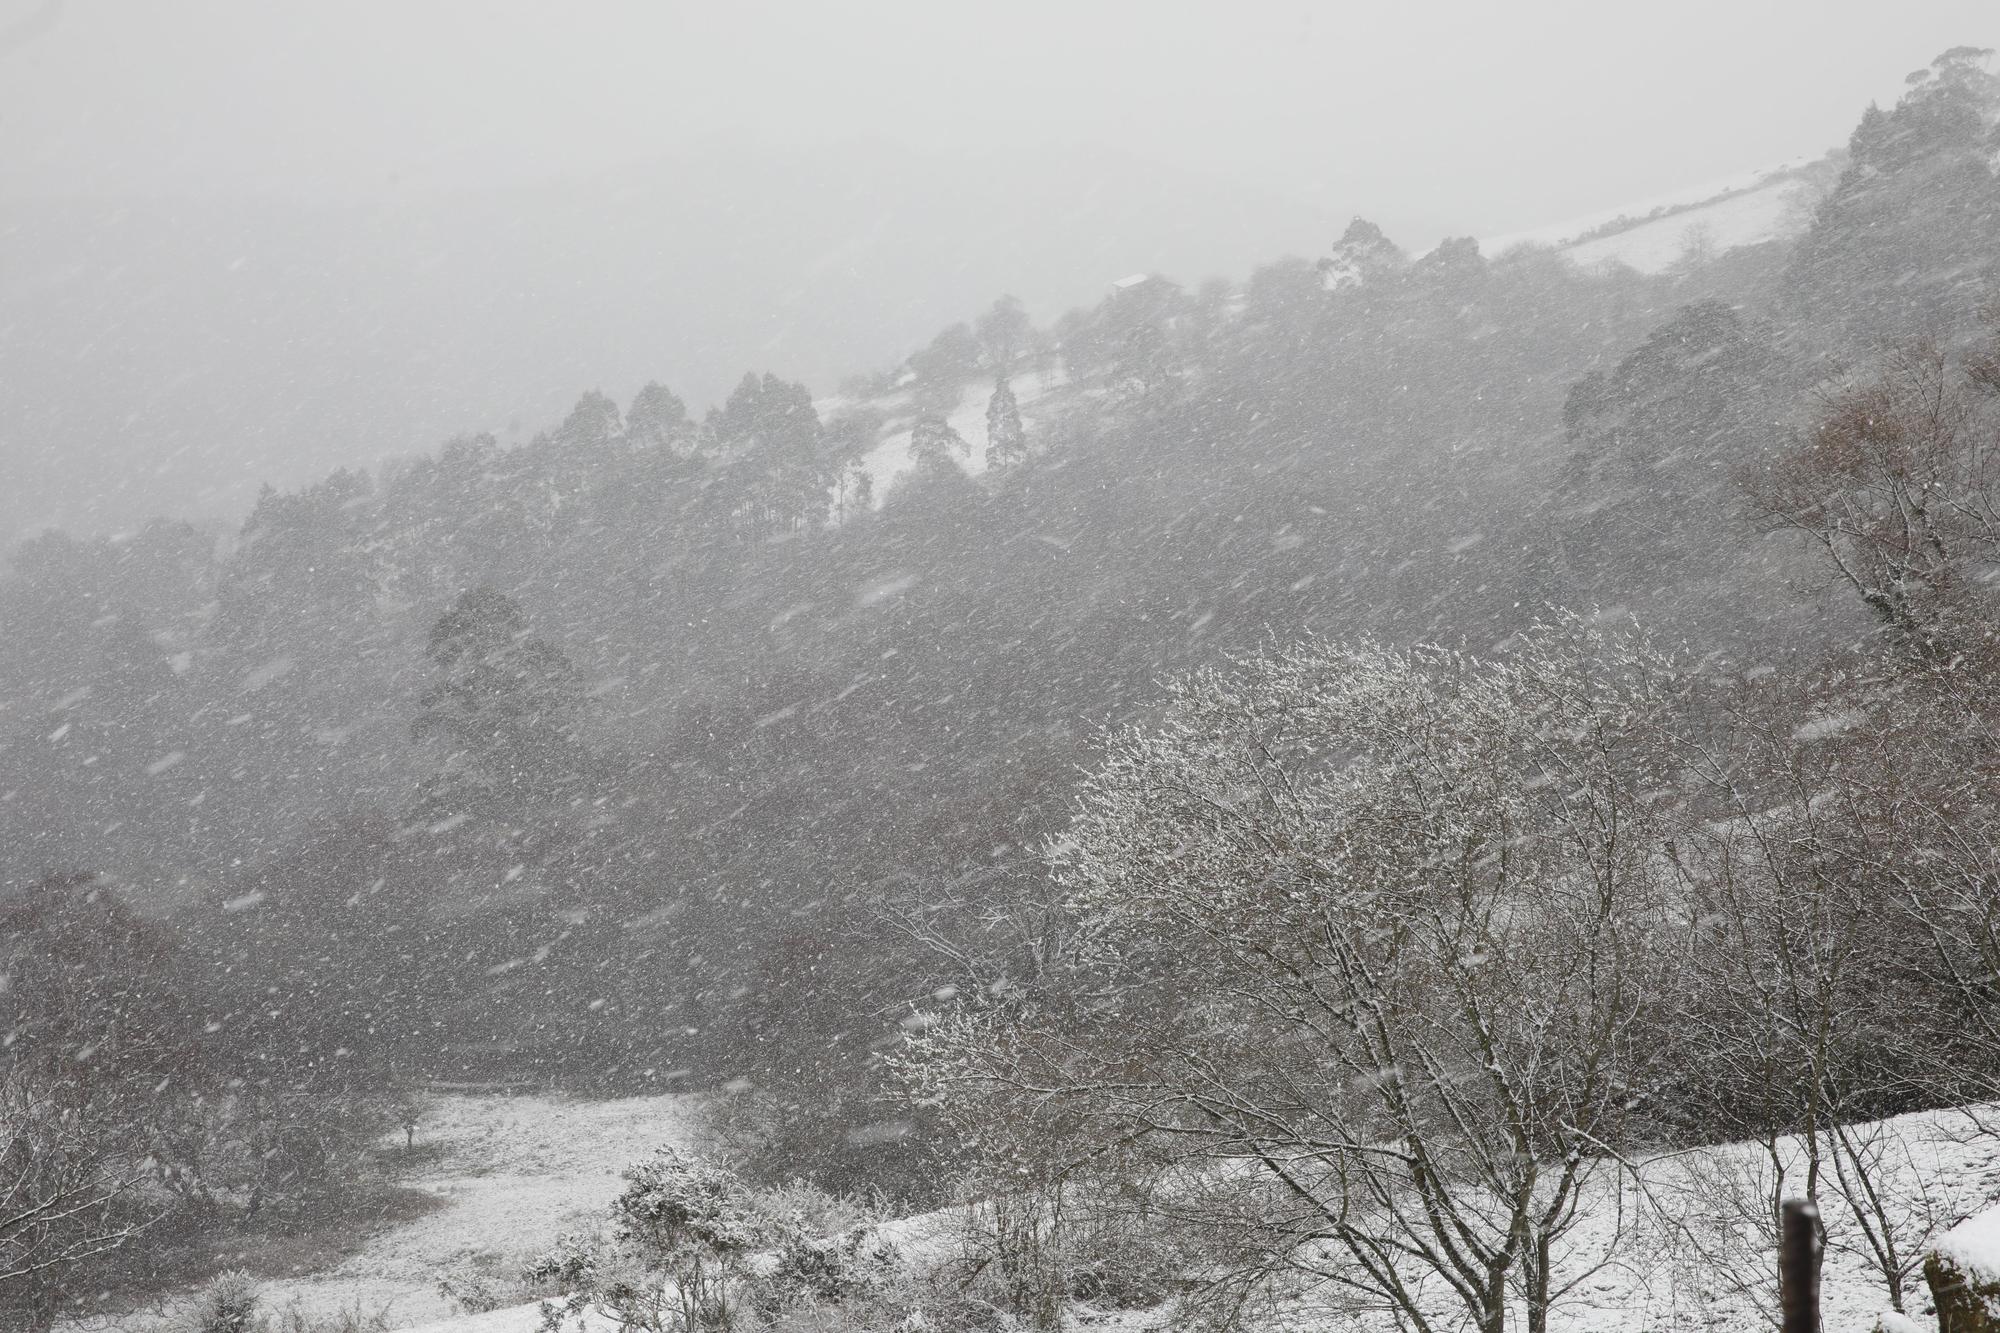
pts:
[245, 241]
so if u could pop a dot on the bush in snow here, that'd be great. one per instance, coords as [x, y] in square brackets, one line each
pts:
[233, 1304]
[483, 1286]
[683, 1234]
[1033, 1247]
[230, 1305]
[854, 1264]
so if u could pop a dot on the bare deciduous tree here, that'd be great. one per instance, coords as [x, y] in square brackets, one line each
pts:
[1366, 934]
[65, 1197]
[1836, 880]
[1898, 485]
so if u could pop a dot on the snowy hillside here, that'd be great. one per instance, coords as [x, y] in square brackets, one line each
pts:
[1745, 209]
[513, 1172]
[889, 459]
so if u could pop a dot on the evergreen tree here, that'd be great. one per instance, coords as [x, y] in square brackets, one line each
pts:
[593, 422]
[934, 444]
[768, 437]
[943, 367]
[502, 714]
[1003, 334]
[658, 419]
[1363, 253]
[1006, 441]
[1903, 244]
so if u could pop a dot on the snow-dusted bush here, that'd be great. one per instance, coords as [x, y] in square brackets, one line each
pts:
[230, 1304]
[233, 1303]
[1963, 1271]
[684, 1233]
[851, 1265]
[485, 1284]
[1035, 1252]
[799, 1206]
[351, 1320]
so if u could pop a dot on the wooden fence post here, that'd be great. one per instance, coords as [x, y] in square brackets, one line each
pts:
[1798, 1266]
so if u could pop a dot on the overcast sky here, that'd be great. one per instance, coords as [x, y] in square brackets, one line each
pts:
[1483, 115]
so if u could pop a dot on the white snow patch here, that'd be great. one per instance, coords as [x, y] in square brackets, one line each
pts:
[1974, 1245]
[889, 459]
[1891, 1322]
[1728, 224]
[515, 1172]
[1747, 208]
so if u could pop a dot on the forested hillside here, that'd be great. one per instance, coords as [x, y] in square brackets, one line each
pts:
[668, 751]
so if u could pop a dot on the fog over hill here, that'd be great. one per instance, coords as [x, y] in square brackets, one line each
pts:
[837, 738]
[169, 355]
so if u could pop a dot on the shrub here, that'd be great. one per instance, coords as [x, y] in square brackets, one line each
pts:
[229, 1305]
[233, 1303]
[683, 1231]
[843, 1267]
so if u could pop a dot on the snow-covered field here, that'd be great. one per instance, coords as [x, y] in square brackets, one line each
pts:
[890, 458]
[1746, 209]
[1766, 213]
[1678, 1244]
[513, 1172]
[1707, 1267]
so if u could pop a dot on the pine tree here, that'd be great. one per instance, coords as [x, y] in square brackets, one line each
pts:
[503, 714]
[658, 419]
[593, 423]
[768, 438]
[1006, 441]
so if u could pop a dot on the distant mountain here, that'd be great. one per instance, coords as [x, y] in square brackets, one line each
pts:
[170, 355]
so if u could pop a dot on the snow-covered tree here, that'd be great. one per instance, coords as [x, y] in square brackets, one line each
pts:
[1363, 938]
[67, 1195]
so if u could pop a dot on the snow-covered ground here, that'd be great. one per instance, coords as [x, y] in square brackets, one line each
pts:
[1708, 1267]
[1677, 1244]
[514, 1171]
[1745, 209]
[1751, 218]
[890, 457]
